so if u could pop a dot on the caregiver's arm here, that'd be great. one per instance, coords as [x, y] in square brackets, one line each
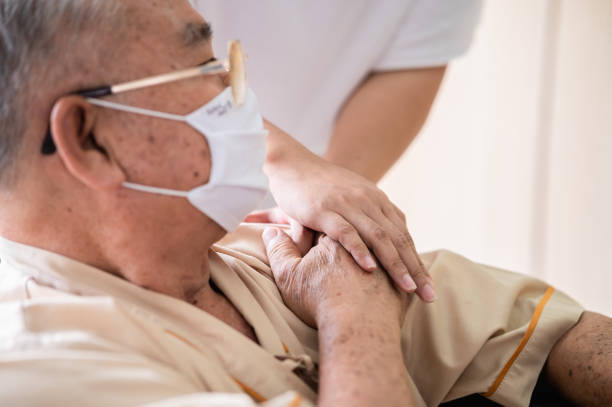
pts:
[358, 319]
[381, 119]
[352, 210]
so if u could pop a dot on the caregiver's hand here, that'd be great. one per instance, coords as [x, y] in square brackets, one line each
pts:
[348, 208]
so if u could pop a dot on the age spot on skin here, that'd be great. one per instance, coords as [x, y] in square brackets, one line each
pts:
[196, 174]
[151, 139]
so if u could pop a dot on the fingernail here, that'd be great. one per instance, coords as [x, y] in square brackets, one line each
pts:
[370, 263]
[428, 294]
[269, 234]
[409, 284]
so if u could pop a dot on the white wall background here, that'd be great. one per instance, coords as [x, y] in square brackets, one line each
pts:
[514, 167]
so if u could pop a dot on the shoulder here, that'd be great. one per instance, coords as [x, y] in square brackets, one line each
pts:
[246, 247]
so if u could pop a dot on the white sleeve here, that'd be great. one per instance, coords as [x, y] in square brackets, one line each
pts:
[433, 33]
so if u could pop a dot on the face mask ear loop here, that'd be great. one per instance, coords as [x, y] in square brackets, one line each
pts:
[136, 110]
[151, 113]
[155, 190]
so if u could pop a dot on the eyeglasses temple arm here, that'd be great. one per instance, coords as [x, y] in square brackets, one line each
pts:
[211, 68]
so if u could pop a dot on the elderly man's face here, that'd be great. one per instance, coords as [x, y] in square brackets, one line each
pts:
[162, 36]
[74, 202]
[166, 36]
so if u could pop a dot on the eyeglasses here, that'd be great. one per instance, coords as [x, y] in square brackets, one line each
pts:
[234, 65]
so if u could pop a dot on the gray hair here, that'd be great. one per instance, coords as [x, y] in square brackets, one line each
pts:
[35, 36]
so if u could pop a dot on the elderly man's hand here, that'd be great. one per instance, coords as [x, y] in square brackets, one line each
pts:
[348, 208]
[327, 281]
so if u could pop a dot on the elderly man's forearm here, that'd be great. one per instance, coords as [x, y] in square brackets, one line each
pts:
[362, 363]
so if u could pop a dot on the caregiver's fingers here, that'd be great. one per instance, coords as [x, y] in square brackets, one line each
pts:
[398, 213]
[336, 227]
[273, 215]
[379, 239]
[404, 244]
[391, 212]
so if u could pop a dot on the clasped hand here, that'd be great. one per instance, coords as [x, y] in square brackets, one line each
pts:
[327, 281]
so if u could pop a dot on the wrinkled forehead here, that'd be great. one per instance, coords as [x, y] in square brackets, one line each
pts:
[165, 34]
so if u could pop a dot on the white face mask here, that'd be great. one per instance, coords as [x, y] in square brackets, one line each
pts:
[237, 142]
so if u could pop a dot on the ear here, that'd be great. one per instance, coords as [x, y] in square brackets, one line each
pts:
[73, 131]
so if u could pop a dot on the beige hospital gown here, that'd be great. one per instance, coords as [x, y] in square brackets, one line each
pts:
[74, 335]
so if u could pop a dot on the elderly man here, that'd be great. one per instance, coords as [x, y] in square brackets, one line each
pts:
[115, 285]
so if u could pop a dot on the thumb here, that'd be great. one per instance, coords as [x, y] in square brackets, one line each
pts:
[301, 236]
[282, 252]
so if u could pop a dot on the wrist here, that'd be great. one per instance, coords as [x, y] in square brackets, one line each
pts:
[347, 317]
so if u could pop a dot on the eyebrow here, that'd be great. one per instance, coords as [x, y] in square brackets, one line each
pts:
[197, 33]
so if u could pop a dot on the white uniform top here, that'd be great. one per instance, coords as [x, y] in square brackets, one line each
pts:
[307, 56]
